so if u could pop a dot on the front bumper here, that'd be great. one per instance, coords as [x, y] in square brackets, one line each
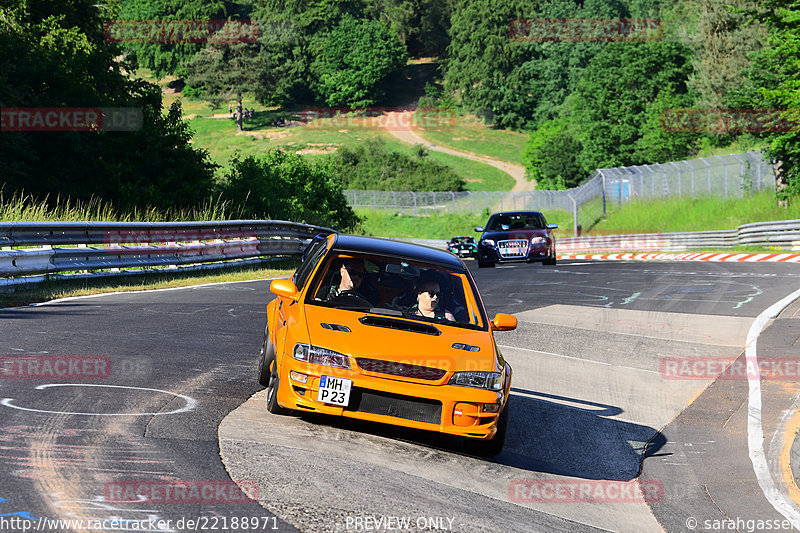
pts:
[492, 254]
[444, 408]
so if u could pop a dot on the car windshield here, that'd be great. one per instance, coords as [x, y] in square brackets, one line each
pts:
[516, 221]
[395, 287]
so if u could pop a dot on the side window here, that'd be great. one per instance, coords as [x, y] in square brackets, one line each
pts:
[305, 269]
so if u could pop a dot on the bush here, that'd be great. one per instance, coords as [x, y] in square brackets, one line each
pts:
[284, 186]
[371, 165]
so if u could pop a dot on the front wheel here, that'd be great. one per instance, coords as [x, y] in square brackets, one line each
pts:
[485, 264]
[268, 376]
[267, 354]
[272, 393]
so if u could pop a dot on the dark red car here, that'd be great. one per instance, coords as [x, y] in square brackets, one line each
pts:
[516, 236]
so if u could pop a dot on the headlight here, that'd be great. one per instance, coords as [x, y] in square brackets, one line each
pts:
[320, 356]
[538, 240]
[488, 242]
[479, 380]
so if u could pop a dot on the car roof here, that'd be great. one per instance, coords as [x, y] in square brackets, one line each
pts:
[517, 213]
[404, 250]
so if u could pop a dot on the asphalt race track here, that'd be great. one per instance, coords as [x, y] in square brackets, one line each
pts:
[608, 429]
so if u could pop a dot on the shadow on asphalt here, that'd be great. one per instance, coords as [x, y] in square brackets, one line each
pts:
[547, 434]
[566, 436]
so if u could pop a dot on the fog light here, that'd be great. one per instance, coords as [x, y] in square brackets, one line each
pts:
[298, 377]
[491, 407]
[465, 414]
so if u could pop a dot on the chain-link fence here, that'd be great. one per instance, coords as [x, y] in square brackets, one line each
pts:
[726, 176]
[729, 175]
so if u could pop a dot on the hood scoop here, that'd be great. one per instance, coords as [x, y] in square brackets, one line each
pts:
[405, 325]
[335, 327]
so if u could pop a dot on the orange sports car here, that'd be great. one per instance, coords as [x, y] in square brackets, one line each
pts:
[388, 332]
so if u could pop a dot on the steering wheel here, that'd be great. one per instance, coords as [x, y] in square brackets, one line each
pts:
[351, 298]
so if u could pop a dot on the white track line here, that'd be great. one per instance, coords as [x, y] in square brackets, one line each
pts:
[755, 432]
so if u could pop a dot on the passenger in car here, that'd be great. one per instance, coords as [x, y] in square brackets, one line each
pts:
[428, 293]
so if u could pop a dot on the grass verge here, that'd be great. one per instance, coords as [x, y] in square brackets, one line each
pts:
[55, 289]
[469, 134]
[676, 214]
[444, 226]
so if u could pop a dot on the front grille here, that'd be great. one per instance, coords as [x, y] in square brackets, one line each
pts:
[405, 370]
[513, 248]
[396, 405]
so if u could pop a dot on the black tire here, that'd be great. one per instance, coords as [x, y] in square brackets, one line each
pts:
[485, 264]
[267, 353]
[490, 448]
[271, 365]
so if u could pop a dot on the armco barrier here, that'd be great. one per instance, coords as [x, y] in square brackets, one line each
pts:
[31, 249]
[784, 233]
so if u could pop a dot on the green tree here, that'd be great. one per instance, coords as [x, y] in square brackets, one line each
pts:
[53, 54]
[552, 155]
[168, 57]
[285, 186]
[520, 78]
[355, 60]
[615, 96]
[775, 75]
[294, 36]
[727, 35]
[225, 71]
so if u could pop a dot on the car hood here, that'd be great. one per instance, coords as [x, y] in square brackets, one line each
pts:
[515, 234]
[374, 336]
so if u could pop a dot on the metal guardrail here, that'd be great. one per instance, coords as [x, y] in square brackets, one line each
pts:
[785, 233]
[30, 249]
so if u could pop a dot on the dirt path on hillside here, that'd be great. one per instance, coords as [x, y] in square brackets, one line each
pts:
[398, 124]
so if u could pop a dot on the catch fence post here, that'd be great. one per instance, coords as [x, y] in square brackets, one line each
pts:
[724, 175]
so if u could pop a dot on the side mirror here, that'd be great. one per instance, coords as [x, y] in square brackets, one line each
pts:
[504, 322]
[285, 288]
[479, 229]
[552, 226]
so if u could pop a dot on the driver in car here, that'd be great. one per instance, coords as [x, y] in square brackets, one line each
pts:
[351, 274]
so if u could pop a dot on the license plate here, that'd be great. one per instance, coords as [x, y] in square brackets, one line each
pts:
[333, 390]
